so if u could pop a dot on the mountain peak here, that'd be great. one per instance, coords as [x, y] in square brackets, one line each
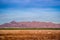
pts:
[13, 22]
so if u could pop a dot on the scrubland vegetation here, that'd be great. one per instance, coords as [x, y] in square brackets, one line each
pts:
[29, 34]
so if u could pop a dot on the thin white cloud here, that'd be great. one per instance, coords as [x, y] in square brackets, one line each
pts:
[31, 14]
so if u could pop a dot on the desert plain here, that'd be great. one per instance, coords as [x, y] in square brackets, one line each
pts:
[29, 34]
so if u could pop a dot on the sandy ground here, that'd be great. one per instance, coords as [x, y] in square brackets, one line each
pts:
[29, 34]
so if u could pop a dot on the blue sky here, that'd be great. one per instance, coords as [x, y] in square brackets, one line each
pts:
[30, 10]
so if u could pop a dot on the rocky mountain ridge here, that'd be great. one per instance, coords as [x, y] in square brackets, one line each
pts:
[33, 24]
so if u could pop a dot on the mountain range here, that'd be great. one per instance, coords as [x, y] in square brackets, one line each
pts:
[33, 24]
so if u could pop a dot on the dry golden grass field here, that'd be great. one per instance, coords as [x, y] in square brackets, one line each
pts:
[29, 34]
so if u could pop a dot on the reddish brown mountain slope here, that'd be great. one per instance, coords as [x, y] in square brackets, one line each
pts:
[31, 25]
